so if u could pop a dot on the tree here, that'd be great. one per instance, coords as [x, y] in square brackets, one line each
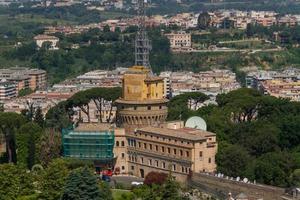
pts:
[295, 178]
[14, 182]
[9, 123]
[39, 117]
[232, 160]
[155, 178]
[8, 181]
[242, 103]
[100, 96]
[105, 192]
[58, 117]
[170, 189]
[27, 140]
[82, 184]
[49, 147]
[274, 168]
[53, 180]
[180, 106]
[80, 100]
[29, 111]
[24, 92]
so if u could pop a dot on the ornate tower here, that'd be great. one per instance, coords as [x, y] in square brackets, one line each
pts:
[142, 103]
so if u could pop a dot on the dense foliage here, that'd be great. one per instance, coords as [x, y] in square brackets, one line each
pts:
[258, 135]
[82, 184]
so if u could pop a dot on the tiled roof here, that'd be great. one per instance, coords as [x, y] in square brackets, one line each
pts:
[183, 133]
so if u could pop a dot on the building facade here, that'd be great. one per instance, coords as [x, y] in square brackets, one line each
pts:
[91, 141]
[25, 78]
[146, 142]
[180, 41]
[171, 147]
[7, 91]
[142, 102]
[41, 39]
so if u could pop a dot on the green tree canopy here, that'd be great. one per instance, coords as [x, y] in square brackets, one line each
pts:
[9, 123]
[27, 140]
[82, 184]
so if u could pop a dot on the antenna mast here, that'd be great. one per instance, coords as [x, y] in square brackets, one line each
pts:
[142, 42]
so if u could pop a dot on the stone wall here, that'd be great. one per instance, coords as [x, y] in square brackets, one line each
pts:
[220, 187]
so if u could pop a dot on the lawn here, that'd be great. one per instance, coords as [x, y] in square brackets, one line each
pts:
[119, 194]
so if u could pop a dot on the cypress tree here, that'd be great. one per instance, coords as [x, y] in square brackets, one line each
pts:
[39, 117]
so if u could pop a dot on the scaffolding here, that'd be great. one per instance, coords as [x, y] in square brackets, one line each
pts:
[90, 145]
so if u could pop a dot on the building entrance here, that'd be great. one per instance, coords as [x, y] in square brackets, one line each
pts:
[142, 173]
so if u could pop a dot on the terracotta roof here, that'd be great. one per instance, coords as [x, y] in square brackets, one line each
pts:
[45, 37]
[93, 127]
[183, 133]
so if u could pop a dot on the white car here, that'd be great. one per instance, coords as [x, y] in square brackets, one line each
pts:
[136, 183]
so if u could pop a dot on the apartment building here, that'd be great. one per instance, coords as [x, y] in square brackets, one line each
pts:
[25, 77]
[284, 84]
[44, 100]
[209, 82]
[7, 91]
[180, 41]
[288, 89]
[96, 78]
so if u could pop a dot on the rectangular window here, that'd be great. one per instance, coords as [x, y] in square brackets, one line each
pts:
[200, 154]
[187, 154]
[175, 151]
[181, 153]
[123, 155]
[169, 150]
[132, 167]
[156, 147]
[174, 167]
[145, 146]
[209, 160]
[142, 160]
[163, 149]
[150, 146]
[163, 165]
[140, 145]
[156, 163]
[149, 107]
[150, 162]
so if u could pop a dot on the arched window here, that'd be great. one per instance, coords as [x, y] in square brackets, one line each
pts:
[122, 143]
[117, 143]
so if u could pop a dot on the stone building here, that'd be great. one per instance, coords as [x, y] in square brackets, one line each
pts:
[180, 41]
[171, 147]
[145, 142]
[143, 102]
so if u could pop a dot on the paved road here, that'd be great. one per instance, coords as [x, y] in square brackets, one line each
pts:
[124, 180]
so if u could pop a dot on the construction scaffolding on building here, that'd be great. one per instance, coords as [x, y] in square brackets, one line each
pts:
[93, 142]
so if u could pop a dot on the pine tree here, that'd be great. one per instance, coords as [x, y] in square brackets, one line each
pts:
[71, 191]
[171, 189]
[105, 192]
[81, 184]
[39, 117]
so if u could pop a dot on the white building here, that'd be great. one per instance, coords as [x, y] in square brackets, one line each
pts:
[41, 39]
